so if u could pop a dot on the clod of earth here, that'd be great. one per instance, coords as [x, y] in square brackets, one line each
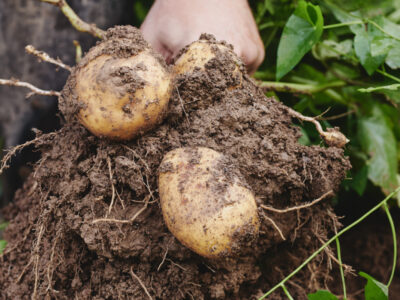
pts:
[87, 223]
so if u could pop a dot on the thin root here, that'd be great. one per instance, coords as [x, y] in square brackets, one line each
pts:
[134, 276]
[24, 271]
[275, 225]
[177, 265]
[78, 51]
[50, 264]
[163, 260]
[34, 89]
[125, 221]
[112, 185]
[75, 21]
[36, 259]
[332, 137]
[17, 148]
[45, 57]
[281, 211]
[183, 107]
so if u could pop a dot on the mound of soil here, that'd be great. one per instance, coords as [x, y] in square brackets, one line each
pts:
[87, 224]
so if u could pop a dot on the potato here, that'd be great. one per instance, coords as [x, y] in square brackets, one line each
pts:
[116, 110]
[205, 203]
[122, 87]
[198, 54]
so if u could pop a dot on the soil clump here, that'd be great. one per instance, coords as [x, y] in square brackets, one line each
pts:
[87, 223]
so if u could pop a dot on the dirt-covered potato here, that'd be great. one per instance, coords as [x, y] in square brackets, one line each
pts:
[122, 88]
[197, 55]
[205, 202]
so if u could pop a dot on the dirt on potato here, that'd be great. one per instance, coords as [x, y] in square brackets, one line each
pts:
[88, 225]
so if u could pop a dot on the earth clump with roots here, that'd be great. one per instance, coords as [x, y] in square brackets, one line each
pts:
[88, 224]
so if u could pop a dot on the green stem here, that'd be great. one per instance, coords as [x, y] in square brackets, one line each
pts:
[342, 24]
[394, 243]
[339, 254]
[286, 292]
[388, 75]
[266, 25]
[300, 88]
[372, 210]
[383, 30]
[75, 21]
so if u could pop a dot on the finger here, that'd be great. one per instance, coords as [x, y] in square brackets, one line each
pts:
[150, 36]
[252, 56]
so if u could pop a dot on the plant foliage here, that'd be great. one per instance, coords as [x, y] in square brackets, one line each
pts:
[340, 59]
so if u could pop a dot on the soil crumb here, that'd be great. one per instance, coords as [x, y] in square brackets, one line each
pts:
[87, 224]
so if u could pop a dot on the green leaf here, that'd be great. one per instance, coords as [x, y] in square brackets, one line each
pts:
[385, 40]
[393, 57]
[374, 290]
[3, 225]
[345, 71]
[301, 32]
[363, 52]
[359, 182]
[378, 141]
[345, 17]
[3, 245]
[391, 29]
[332, 49]
[392, 87]
[140, 11]
[394, 96]
[322, 295]
[304, 139]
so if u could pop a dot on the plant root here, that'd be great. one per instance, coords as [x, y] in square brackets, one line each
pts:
[134, 276]
[275, 225]
[281, 211]
[163, 260]
[78, 51]
[34, 90]
[146, 202]
[36, 261]
[332, 137]
[17, 148]
[45, 57]
[112, 185]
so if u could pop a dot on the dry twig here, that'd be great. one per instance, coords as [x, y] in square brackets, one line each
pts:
[45, 57]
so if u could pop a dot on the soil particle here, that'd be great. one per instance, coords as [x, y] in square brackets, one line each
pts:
[89, 215]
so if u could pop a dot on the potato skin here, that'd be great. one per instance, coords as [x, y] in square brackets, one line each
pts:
[204, 203]
[122, 97]
[199, 53]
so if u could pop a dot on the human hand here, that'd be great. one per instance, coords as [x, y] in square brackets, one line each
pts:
[172, 24]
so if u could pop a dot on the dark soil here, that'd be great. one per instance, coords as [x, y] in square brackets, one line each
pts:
[59, 249]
